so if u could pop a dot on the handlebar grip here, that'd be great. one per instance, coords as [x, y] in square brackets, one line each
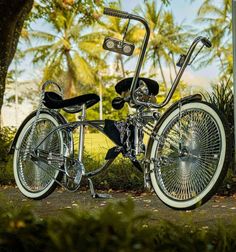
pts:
[116, 13]
[206, 42]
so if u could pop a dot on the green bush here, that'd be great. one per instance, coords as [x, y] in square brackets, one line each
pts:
[118, 228]
[6, 172]
[121, 175]
[6, 136]
[20, 230]
[222, 97]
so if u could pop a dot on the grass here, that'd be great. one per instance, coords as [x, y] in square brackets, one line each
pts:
[96, 146]
[121, 175]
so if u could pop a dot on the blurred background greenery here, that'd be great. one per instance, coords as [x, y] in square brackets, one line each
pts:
[62, 40]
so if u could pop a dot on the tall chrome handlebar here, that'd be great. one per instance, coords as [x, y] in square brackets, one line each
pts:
[126, 15]
[178, 76]
[181, 71]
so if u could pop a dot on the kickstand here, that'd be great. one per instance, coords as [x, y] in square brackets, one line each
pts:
[97, 195]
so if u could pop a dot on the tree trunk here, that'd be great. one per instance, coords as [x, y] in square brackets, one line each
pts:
[12, 16]
[122, 66]
[69, 88]
[173, 62]
[119, 59]
[162, 72]
[170, 72]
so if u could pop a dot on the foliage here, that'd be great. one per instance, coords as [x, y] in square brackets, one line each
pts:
[16, 91]
[222, 97]
[20, 230]
[6, 172]
[218, 17]
[118, 28]
[108, 94]
[68, 51]
[166, 2]
[166, 36]
[6, 136]
[121, 175]
[228, 186]
[117, 227]
[86, 9]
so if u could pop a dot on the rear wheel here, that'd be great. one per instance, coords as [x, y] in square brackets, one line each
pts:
[189, 155]
[35, 177]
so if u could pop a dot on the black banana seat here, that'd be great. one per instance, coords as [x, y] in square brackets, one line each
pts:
[53, 100]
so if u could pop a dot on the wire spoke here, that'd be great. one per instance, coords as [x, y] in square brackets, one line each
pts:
[37, 175]
[182, 177]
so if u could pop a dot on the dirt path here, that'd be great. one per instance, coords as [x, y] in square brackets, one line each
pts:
[218, 209]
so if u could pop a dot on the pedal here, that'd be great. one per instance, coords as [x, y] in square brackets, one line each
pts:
[97, 195]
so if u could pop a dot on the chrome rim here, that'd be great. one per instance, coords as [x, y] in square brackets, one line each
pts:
[188, 154]
[34, 175]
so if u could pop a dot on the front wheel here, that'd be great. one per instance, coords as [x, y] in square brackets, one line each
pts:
[190, 155]
[36, 178]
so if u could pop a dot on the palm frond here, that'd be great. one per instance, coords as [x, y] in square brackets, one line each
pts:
[210, 9]
[54, 69]
[75, 31]
[85, 73]
[41, 35]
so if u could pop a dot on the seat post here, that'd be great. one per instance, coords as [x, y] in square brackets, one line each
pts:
[81, 136]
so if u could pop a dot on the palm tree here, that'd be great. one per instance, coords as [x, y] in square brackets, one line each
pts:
[217, 17]
[69, 51]
[166, 37]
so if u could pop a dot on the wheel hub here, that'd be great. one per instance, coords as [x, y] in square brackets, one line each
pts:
[184, 153]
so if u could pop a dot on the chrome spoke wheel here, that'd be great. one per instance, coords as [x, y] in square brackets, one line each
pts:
[198, 155]
[36, 175]
[35, 167]
[186, 174]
